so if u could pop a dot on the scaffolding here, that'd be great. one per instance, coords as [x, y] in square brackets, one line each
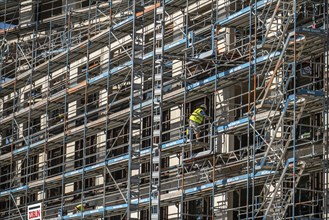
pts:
[96, 97]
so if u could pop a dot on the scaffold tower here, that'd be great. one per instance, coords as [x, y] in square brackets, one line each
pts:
[96, 98]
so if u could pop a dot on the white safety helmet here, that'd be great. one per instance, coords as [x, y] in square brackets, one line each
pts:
[203, 106]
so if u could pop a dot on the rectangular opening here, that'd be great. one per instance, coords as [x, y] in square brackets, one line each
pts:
[56, 120]
[118, 175]
[55, 160]
[90, 152]
[46, 9]
[89, 107]
[30, 169]
[93, 69]
[85, 3]
[5, 177]
[11, 15]
[32, 97]
[89, 182]
[54, 192]
[7, 108]
[32, 127]
[29, 198]
[117, 141]
[57, 84]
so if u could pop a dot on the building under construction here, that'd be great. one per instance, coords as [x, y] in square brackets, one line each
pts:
[96, 98]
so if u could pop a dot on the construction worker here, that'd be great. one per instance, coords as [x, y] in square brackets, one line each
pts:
[196, 119]
[81, 207]
[60, 118]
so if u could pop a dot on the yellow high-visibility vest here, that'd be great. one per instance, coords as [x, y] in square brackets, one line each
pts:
[197, 116]
[80, 207]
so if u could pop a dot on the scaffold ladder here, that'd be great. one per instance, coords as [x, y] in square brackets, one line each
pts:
[281, 196]
[277, 22]
[157, 118]
[274, 159]
[285, 60]
[135, 120]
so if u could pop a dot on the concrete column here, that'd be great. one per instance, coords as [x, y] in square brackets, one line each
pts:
[221, 46]
[101, 146]
[230, 39]
[230, 32]
[172, 209]
[70, 147]
[72, 106]
[69, 188]
[226, 115]
[102, 97]
[70, 151]
[21, 97]
[99, 180]
[20, 131]
[175, 122]
[41, 194]
[226, 142]
[175, 112]
[178, 30]
[69, 166]
[26, 12]
[19, 168]
[221, 205]
[44, 94]
[104, 62]
[18, 175]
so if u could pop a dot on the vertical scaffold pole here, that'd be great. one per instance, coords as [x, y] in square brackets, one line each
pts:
[294, 115]
[213, 140]
[254, 115]
[326, 115]
[249, 111]
[185, 135]
[107, 136]
[65, 113]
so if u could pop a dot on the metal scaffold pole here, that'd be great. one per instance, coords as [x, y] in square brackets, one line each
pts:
[294, 75]
[65, 112]
[326, 116]
[250, 177]
[186, 132]
[106, 171]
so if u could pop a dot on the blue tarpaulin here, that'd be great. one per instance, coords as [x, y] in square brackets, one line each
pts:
[5, 26]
